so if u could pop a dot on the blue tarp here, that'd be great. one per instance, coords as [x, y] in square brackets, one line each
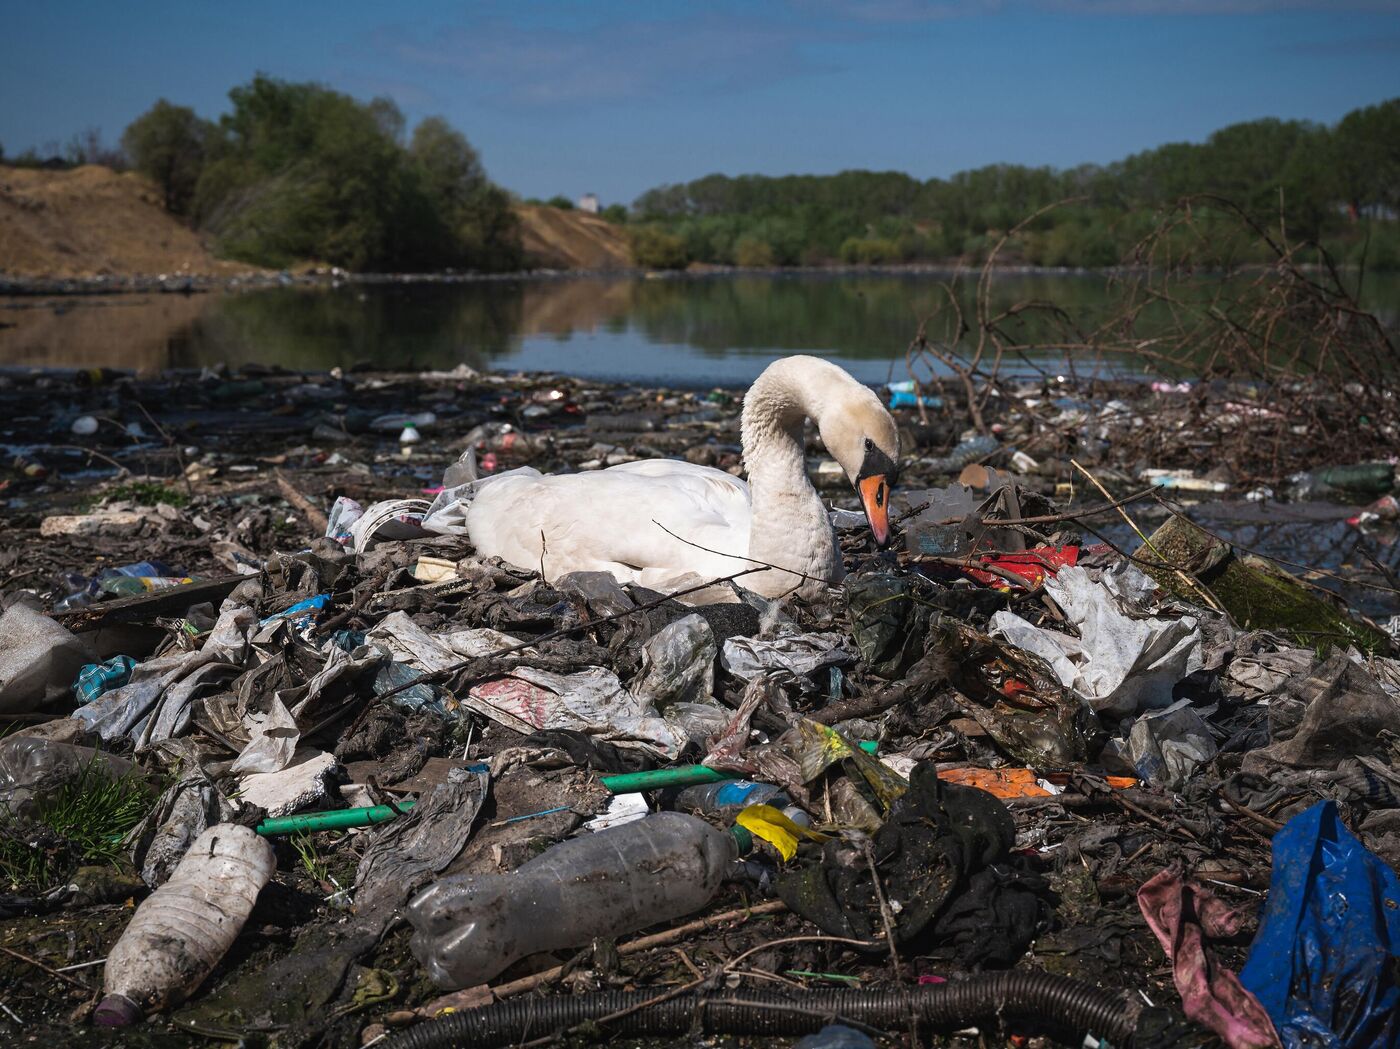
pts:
[1325, 962]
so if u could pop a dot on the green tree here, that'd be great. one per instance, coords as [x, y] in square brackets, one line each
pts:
[449, 167]
[561, 202]
[753, 253]
[167, 144]
[480, 226]
[298, 171]
[654, 248]
[1365, 154]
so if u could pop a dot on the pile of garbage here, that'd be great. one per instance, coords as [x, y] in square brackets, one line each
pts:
[285, 760]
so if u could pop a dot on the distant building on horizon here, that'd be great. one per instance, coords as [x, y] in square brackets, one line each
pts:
[589, 203]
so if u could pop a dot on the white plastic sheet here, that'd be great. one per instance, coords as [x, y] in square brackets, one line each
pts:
[592, 700]
[39, 659]
[795, 657]
[1124, 659]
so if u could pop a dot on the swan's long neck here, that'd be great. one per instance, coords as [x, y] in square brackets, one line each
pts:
[789, 527]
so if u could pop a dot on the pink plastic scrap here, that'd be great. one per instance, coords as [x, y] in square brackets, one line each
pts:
[1184, 914]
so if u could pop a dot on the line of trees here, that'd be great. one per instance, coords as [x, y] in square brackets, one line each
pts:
[298, 171]
[1338, 186]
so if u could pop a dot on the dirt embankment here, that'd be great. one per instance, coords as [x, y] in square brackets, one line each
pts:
[92, 221]
[571, 240]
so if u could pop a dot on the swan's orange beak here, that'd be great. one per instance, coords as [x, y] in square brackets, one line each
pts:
[875, 497]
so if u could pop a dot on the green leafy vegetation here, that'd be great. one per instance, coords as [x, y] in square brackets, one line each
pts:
[654, 248]
[146, 493]
[310, 857]
[1335, 186]
[83, 822]
[297, 172]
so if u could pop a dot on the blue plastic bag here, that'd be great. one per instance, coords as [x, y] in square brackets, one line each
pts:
[303, 614]
[1324, 963]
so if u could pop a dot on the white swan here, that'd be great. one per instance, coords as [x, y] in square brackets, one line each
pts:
[668, 524]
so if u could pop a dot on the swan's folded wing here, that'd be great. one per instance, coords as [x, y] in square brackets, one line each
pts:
[687, 493]
[617, 520]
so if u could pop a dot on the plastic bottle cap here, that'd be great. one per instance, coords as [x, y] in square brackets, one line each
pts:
[742, 838]
[117, 1010]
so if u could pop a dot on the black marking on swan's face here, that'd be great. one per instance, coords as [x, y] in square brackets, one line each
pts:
[877, 463]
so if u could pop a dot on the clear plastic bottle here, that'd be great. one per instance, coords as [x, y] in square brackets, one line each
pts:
[469, 927]
[182, 930]
[128, 586]
[728, 798]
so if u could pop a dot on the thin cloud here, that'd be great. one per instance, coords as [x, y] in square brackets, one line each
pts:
[1361, 45]
[898, 11]
[1211, 7]
[906, 11]
[543, 68]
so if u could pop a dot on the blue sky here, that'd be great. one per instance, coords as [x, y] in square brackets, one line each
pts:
[569, 97]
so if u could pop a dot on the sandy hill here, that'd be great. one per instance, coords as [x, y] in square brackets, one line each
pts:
[92, 221]
[571, 240]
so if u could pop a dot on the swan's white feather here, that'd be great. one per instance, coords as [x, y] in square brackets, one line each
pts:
[610, 520]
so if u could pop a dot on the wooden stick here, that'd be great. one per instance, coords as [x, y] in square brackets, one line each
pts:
[40, 965]
[471, 996]
[314, 515]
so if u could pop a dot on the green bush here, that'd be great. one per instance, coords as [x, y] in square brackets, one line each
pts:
[753, 253]
[654, 248]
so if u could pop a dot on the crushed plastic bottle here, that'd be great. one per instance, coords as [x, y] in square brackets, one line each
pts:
[730, 797]
[969, 451]
[400, 420]
[182, 930]
[502, 438]
[30, 468]
[33, 769]
[1345, 482]
[129, 586]
[469, 927]
[905, 395]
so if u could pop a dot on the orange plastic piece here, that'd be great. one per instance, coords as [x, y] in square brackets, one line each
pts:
[1019, 783]
[1004, 783]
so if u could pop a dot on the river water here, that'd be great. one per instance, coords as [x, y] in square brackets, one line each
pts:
[691, 331]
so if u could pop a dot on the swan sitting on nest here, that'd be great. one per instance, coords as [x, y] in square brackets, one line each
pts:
[668, 525]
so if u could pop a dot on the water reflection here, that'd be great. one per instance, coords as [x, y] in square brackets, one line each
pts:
[718, 329]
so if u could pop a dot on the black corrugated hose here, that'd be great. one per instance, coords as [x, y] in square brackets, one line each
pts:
[1043, 997]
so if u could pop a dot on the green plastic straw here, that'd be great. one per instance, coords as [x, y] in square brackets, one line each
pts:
[339, 819]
